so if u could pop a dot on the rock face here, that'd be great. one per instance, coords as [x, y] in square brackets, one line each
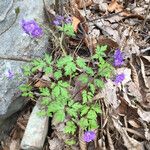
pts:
[15, 43]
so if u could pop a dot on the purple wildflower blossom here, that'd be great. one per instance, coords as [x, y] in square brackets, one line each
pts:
[58, 20]
[32, 28]
[68, 20]
[119, 78]
[9, 74]
[89, 136]
[118, 58]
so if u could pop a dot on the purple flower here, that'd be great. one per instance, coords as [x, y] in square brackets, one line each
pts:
[32, 28]
[68, 20]
[9, 74]
[89, 136]
[119, 78]
[118, 58]
[58, 20]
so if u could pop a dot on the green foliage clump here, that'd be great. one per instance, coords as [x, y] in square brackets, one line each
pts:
[67, 29]
[64, 73]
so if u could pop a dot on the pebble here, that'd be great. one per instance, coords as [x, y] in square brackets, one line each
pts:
[36, 131]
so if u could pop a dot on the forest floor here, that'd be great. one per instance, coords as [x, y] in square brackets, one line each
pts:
[125, 119]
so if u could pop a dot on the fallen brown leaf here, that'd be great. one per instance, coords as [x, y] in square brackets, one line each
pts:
[114, 6]
[130, 143]
[143, 73]
[134, 74]
[83, 3]
[133, 123]
[75, 23]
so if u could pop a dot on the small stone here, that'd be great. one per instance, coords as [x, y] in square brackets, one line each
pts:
[35, 132]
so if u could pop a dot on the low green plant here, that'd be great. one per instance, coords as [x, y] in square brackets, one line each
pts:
[64, 73]
[67, 29]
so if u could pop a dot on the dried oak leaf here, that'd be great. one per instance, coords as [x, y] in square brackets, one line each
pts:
[134, 123]
[130, 143]
[134, 74]
[143, 74]
[110, 95]
[114, 6]
[84, 3]
[134, 91]
[77, 16]
[75, 23]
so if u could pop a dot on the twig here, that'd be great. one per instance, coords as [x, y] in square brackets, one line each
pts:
[16, 58]
[111, 146]
[145, 50]
[145, 16]
[134, 132]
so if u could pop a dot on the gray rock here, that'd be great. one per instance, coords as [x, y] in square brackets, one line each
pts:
[35, 132]
[15, 43]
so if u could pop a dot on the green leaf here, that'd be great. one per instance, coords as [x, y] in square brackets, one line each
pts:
[56, 91]
[70, 142]
[81, 62]
[89, 71]
[70, 103]
[55, 106]
[100, 50]
[99, 83]
[41, 113]
[28, 94]
[70, 68]
[92, 88]
[72, 112]
[25, 87]
[64, 92]
[60, 115]
[64, 61]
[76, 106]
[67, 29]
[63, 84]
[38, 64]
[84, 110]
[70, 127]
[91, 114]
[48, 59]
[83, 123]
[83, 78]
[96, 108]
[90, 96]
[44, 91]
[58, 74]
[48, 70]
[45, 101]
[84, 97]
[92, 124]
[27, 70]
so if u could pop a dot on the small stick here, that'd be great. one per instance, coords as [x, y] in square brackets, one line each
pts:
[134, 132]
[144, 50]
[16, 58]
